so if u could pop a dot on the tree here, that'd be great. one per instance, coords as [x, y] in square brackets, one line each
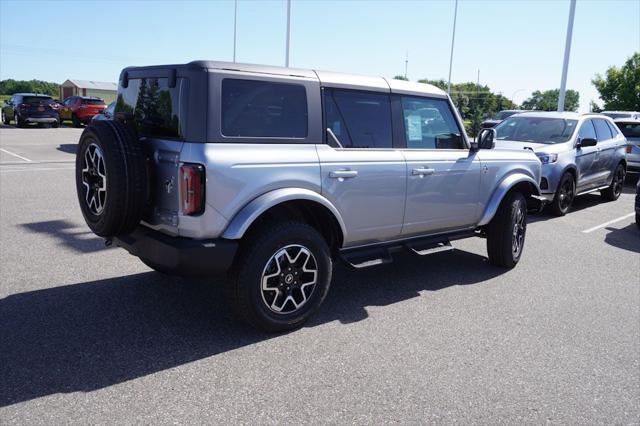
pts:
[400, 77]
[620, 87]
[10, 86]
[548, 100]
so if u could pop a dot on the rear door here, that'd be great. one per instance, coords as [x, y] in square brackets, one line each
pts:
[443, 177]
[606, 151]
[586, 158]
[365, 177]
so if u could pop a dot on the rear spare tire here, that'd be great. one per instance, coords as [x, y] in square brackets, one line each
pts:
[111, 178]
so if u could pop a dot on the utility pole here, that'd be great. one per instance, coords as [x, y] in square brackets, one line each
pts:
[286, 61]
[478, 86]
[567, 51]
[406, 64]
[453, 39]
[235, 25]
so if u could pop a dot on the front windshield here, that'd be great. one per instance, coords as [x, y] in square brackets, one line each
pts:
[536, 129]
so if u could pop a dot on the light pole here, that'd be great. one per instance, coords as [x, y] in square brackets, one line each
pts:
[453, 39]
[286, 61]
[514, 95]
[235, 24]
[567, 51]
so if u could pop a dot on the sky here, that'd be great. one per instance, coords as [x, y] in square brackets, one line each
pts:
[517, 45]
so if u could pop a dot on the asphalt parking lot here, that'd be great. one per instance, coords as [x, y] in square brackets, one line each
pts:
[88, 334]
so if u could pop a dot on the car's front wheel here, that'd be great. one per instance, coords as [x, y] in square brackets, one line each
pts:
[282, 276]
[507, 231]
[5, 118]
[565, 194]
[614, 190]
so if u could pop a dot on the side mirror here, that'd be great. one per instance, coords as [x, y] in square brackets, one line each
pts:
[587, 142]
[486, 138]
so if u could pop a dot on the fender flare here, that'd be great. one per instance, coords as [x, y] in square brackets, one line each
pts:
[250, 212]
[505, 186]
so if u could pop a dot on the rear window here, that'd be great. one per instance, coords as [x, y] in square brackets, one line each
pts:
[37, 100]
[630, 130]
[92, 102]
[264, 109]
[155, 106]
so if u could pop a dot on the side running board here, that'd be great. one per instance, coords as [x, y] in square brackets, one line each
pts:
[365, 257]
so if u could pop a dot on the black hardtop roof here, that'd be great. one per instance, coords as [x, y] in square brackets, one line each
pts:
[203, 65]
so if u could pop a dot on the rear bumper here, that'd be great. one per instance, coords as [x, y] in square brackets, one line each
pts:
[41, 119]
[182, 256]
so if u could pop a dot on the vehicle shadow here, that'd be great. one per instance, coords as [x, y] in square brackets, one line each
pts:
[69, 148]
[71, 235]
[582, 202]
[91, 335]
[627, 238]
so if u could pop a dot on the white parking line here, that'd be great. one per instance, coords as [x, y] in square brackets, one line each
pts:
[15, 155]
[586, 231]
[35, 169]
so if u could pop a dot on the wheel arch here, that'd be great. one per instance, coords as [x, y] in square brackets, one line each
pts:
[514, 182]
[291, 203]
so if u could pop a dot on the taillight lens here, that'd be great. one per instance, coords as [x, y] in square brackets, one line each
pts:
[192, 189]
[23, 106]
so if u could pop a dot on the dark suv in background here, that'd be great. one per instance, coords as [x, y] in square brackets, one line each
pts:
[81, 109]
[28, 108]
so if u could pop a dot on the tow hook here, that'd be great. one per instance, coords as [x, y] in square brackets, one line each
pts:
[108, 242]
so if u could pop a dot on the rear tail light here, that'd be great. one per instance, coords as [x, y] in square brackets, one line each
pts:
[629, 148]
[192, 189]
[23, 106]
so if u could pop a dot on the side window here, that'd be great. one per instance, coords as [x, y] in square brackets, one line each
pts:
[359, 119]
[252, 108]
[614, 131]
[430, 124]
[587, 131]
[602, 129]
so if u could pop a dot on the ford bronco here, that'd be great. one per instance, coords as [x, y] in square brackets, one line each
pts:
[271, 174]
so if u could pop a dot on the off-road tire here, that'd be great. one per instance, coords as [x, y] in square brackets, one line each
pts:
[245, 287]
[76, 121]
[559, 205]
[126, 178]
[612, 193]
[500, 232]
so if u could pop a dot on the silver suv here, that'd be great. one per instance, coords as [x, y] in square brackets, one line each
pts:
[579, 153]
[271, 174]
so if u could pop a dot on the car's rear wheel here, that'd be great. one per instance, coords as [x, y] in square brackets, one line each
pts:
[282, 276]
[5, 118]
[111, 178]
[507, 230]
[76, 121]
[19, 121]
[565, 194]
[55, 124]
[614, 190]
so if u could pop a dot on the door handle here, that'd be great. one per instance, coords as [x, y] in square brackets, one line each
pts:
[343, 174]
[422, 171]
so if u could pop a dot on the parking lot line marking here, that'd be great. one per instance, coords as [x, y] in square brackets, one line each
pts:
[586, 231]
[37, 169]
[15, 155]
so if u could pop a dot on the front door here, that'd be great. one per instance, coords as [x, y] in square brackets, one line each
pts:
[443, 177]
[362, 174]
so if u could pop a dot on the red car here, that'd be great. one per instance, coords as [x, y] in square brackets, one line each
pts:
[80, 109]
